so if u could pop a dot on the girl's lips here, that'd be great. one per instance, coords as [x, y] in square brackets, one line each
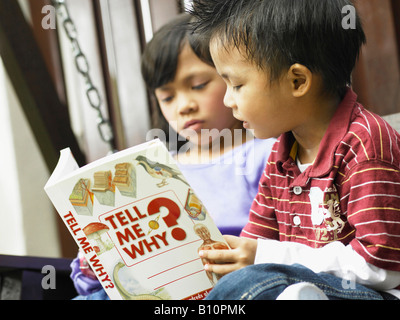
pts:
[193, 124]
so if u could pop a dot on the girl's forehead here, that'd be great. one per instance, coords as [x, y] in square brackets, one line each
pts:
[189, 64]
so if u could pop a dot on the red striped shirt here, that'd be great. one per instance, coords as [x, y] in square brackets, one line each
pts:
[351, 193]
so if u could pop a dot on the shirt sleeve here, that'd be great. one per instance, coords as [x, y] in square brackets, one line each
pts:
[84, 284]
[335, 258]
[370, 199]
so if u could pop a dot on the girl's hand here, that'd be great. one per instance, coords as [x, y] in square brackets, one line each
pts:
[242, 254]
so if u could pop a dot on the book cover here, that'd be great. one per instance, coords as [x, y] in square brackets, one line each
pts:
[138, 222]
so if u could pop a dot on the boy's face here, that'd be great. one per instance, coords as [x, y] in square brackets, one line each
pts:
[194, 100]
[267, 108]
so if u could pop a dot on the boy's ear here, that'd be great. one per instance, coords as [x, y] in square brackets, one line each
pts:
[300, 78]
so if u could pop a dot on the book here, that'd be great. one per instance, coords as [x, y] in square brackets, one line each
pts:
[138, 222]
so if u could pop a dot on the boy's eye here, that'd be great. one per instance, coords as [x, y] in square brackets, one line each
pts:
[236, 88]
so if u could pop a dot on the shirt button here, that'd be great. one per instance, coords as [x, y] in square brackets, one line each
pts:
[297, 220]
[297, 191]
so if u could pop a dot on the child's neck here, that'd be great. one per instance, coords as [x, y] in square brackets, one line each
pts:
[311, 133]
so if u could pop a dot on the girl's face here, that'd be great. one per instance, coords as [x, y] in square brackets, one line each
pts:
[193, 101]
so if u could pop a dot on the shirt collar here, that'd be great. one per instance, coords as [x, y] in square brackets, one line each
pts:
[337, 129]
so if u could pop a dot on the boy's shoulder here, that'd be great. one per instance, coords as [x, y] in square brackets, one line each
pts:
[355, 135]
[370, 138]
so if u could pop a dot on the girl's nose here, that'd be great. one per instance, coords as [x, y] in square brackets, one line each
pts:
[187, 105]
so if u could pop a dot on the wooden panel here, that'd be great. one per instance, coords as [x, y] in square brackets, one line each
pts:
[47, 116]
[376, 78]
[47, 41]
[396, 17]
[28, 71]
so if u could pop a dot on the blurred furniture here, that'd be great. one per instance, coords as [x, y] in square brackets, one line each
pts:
[394, 120]
[21, 278]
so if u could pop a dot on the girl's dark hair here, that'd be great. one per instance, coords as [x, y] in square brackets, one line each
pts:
[275, 34]
[160, 58]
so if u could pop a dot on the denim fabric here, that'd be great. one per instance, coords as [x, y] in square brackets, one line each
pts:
[267, 281]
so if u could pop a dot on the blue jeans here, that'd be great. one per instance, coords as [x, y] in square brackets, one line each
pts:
[267, 281]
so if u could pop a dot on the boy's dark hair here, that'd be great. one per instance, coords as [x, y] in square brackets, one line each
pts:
[275, 34]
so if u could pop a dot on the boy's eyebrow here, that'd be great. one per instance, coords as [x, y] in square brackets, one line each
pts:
[229, 77]
[224, 75]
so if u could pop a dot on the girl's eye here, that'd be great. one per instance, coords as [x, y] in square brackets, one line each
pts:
[200, 86]
[167, 99]
[236, 88]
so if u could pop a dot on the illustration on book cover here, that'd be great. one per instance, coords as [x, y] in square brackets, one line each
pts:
[146, 225]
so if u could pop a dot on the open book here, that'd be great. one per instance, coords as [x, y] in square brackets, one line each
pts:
[138, 222]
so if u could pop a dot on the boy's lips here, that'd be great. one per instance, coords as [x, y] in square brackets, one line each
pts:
[237, 117]
[245, 123]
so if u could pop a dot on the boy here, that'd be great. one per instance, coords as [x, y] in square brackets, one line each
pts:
[327, 215]
[189, 96]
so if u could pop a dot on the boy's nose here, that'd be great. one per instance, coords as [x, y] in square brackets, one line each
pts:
[228, 100]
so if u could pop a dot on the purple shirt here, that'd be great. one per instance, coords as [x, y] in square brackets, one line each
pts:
[228, 185]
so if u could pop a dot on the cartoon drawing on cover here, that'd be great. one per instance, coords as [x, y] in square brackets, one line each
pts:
[159, 171]
[208, 244]
[103, 188]
[94, 232]
[81, 198]
[125, 179]
[194, 207]
[159, 294]
[153, 225]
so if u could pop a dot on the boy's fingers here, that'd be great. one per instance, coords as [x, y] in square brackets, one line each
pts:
[217, 255]
[220, 269]
[233, 241]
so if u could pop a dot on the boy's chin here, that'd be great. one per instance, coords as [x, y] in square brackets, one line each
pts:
[263, 135]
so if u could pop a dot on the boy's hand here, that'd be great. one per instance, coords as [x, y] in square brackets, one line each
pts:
[242, 254]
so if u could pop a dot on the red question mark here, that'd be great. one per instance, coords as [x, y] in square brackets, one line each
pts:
[174, 213]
